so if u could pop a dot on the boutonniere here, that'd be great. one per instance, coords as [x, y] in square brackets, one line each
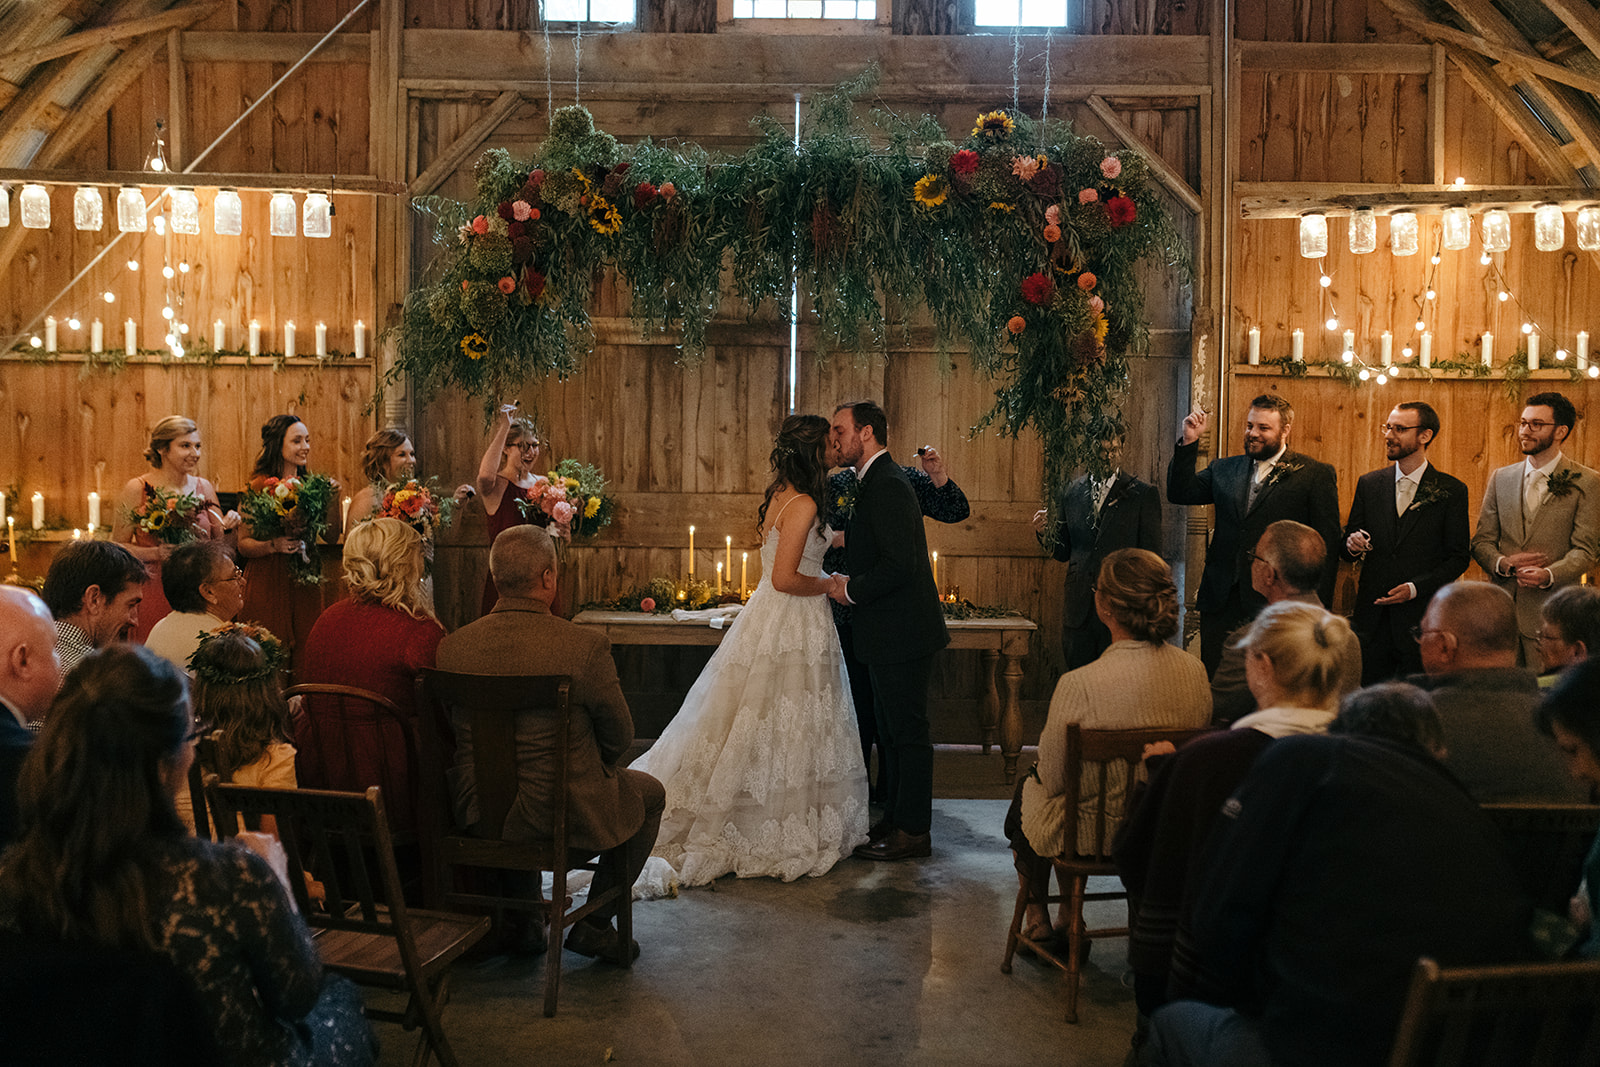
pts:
[1278, 471]
[1562, 482]
[1431, 493]
[844, 502]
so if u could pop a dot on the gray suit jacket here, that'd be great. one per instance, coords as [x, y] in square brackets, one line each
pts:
[520, 636]
[1565, 528]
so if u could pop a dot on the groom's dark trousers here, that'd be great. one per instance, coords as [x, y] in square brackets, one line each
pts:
[898, 625]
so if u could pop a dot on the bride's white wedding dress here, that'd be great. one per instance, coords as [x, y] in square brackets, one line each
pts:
[762, 764]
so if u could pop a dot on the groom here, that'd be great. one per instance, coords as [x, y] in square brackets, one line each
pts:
[899, 625]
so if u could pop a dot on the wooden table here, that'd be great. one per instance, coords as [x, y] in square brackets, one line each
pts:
[998, 639]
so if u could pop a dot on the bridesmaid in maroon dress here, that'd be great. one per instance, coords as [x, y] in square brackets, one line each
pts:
[174, 456]
[505, 473]
[272, 597]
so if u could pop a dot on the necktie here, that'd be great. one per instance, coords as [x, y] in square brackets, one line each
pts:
[1530, 493]
[1405, 490]
[1257, 475]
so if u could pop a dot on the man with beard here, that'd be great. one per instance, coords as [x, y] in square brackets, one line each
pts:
[1408, 528]
[1540, 520]
[93, 589]
[1251, 492]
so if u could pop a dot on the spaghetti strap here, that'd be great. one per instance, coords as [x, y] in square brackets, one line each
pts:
[779, 515]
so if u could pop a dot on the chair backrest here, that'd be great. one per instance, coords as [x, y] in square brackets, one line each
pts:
[1526, 1015]
[1547, 844]
[347, 739]
[343, 838]
[1089, 756]
[485, 708]
[204, 762]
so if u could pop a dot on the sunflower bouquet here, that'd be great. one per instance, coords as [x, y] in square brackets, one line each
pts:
[291, 507]
[571, 501]
[167, 515]
[416, 504]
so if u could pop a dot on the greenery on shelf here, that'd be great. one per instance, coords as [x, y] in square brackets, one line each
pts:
[1021, 240]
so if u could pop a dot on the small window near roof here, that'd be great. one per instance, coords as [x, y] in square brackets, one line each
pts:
[1020, 13]
[865, 10]
[606, 11]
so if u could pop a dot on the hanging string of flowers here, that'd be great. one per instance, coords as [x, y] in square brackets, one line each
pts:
[1021, 242]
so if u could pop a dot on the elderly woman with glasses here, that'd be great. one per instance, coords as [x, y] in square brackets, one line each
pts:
[206, 589]
[508, 469]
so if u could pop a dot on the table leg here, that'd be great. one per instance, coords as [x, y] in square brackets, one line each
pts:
[989, 702]
[1013, 649]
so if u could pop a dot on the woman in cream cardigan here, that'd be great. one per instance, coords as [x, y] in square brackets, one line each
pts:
[1138, 682]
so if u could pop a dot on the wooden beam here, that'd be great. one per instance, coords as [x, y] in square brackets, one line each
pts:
[177, 100]
[207, 46]
[1342, 58]
[1436, 94]
[344, 184]
[1510, 109]
[176, 18]
[89, 111]
[456, 153]
[986, 94]
[1174, 182]
[1288, 200]
[1526, 62]
[27, 112]
[1581, 19]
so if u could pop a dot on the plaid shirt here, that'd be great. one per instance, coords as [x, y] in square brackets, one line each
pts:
[72, 644]
[946, 503]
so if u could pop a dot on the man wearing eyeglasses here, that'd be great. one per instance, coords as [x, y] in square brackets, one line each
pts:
[1409, 531]
[1540, 522]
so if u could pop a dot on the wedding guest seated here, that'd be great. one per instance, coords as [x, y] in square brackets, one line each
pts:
[1298, 658]
[1139, 681]
[1570, 714]
[119, 740]
[1339, 861]
[205, 589]
[29, 678]
[607, 805]
[1570, 627]
[237, 696]
[1486, 702]
[379, 639]
[1285, 565]
[93, 590]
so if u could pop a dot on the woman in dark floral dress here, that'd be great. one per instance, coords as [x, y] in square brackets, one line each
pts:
[118, 742]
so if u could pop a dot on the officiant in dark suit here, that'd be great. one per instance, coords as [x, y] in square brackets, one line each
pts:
[898, 624]
[1408, 530]
[1251, 492]
[1096, 516]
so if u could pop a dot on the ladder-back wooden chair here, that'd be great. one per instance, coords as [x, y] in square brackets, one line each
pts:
[485, 709]
[1525, 1015]
[344, 838]
[1088, 754]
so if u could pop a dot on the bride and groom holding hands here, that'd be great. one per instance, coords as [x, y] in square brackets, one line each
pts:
[763, 764]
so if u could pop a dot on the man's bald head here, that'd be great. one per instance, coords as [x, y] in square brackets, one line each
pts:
[1479, 623]
[29, 672]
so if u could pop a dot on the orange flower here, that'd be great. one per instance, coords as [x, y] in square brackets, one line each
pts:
[1052, 233]
[1017, 324]
[1087, 281]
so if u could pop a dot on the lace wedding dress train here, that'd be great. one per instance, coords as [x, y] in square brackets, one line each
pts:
[762, 764]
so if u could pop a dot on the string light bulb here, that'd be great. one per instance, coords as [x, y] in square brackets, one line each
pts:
[1561, 355]
[1365, 374]
[1421, 325]
[1333, 322]
[111, 298]
[1431, 294]
[167, 272]
[1383, 379]
[1325, 281]
[133, 264]
[74, 324]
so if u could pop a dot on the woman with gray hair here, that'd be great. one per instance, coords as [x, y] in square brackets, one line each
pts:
[206, 589]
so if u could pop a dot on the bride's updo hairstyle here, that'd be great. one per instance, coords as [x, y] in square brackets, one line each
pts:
[798, 460]
[1137, 590]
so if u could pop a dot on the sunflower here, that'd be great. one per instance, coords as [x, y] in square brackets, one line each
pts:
[155, 520]
[1002, 207]
[591, 507]
[474, 346]
[931, 191]
[994, 124]
[603, 216]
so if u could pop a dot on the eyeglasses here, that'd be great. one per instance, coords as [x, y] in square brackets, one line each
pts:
[1418, 633]
[1533, 424]
[236, 576]
[526, 446]
[1395, 428]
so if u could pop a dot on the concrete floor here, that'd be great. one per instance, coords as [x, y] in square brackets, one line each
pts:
[872, 963]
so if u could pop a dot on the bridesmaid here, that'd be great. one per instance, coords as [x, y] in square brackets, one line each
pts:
[506, 471]
[174, 456]
[272, 597]
[388, 457]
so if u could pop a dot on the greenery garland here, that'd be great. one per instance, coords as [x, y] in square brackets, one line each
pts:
[1021, 240]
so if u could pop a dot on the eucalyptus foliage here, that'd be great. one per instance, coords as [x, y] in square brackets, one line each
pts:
[1021, 240]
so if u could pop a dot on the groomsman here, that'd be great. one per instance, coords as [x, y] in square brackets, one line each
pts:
[1095, 517]
[1408, 529]
[1540, 520]
[1251, 492]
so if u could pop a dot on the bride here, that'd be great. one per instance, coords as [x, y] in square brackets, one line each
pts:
[762, 764]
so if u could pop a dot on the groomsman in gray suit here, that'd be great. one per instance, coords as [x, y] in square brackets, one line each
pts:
[1540, 522]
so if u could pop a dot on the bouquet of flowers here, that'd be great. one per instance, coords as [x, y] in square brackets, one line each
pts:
[571, 501]
[417, 505]
[291, 507]
[167, 515]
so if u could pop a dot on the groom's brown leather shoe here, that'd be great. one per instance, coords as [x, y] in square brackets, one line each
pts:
[880, 830]
[898, 845]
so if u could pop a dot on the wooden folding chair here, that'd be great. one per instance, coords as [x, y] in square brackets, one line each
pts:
[387, 946]
[1525, 1015]
[347, 738]
[486, 708]
[1547, 844]
[1088, 755]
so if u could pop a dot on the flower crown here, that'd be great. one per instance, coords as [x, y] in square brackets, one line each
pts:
[272, 655]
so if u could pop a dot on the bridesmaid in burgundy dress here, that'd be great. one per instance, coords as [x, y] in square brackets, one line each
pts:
[506, 471]
[174, 456]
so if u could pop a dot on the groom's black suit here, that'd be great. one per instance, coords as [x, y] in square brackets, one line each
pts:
[898, 625]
